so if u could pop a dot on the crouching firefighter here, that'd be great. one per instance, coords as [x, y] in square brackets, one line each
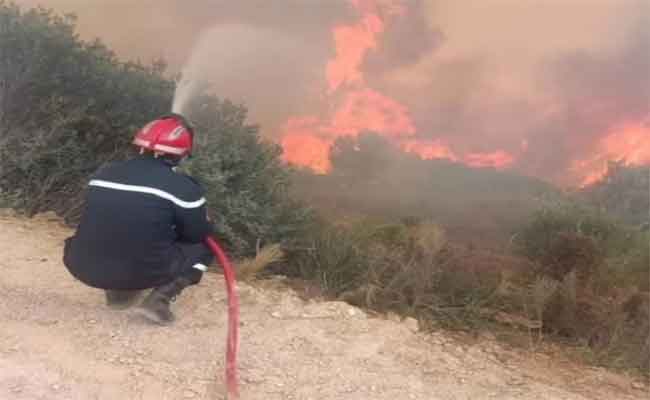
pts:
[143, 225]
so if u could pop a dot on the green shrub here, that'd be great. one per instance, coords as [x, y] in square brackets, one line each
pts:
[247, 185]
[406, 268]
[334, 255]
[567, 236]
[599, 269]
[69, 106]
[66, 107]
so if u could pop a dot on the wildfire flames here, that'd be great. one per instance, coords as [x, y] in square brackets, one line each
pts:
[355, 107]
[629, 143]
[307, 140]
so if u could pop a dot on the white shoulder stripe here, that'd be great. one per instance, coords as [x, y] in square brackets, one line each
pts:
[149, 190]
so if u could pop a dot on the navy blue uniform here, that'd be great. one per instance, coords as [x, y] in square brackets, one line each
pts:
[143, 225]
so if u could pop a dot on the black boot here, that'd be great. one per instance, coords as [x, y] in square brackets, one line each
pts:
[155, 306]
[121, 299]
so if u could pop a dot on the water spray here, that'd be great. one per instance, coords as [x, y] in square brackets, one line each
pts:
[185, 90]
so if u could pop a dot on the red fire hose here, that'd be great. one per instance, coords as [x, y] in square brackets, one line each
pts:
[232, 341]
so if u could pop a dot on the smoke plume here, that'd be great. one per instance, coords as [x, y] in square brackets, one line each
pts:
[550, 89]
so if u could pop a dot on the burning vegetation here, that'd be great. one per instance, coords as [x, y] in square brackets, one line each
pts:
[356, 107]
[595, 130]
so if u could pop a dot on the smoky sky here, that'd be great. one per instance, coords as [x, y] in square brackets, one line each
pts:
[153, 28]
[406, 41]
[544, 80]
[594, 92]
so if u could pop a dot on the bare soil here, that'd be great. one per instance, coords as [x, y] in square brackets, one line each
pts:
[58, 341]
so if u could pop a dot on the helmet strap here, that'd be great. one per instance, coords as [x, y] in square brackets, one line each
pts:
[172, 161]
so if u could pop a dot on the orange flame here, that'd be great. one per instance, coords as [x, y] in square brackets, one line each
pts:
[498, 159]
[303, 146]
[629, 143]
[307, 139]
[429, 149]
[355, 108]
[367, 109]
[352, 43]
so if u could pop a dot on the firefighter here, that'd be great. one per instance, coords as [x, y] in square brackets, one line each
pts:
[143, 225]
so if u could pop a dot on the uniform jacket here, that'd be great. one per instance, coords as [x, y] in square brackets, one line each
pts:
[136, 212]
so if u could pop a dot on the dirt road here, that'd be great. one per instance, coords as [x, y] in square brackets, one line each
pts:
[58, 341]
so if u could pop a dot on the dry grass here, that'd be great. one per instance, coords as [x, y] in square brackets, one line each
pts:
[429, 238]
[248, 268]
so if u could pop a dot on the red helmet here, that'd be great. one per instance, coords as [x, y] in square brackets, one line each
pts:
[171, 134]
